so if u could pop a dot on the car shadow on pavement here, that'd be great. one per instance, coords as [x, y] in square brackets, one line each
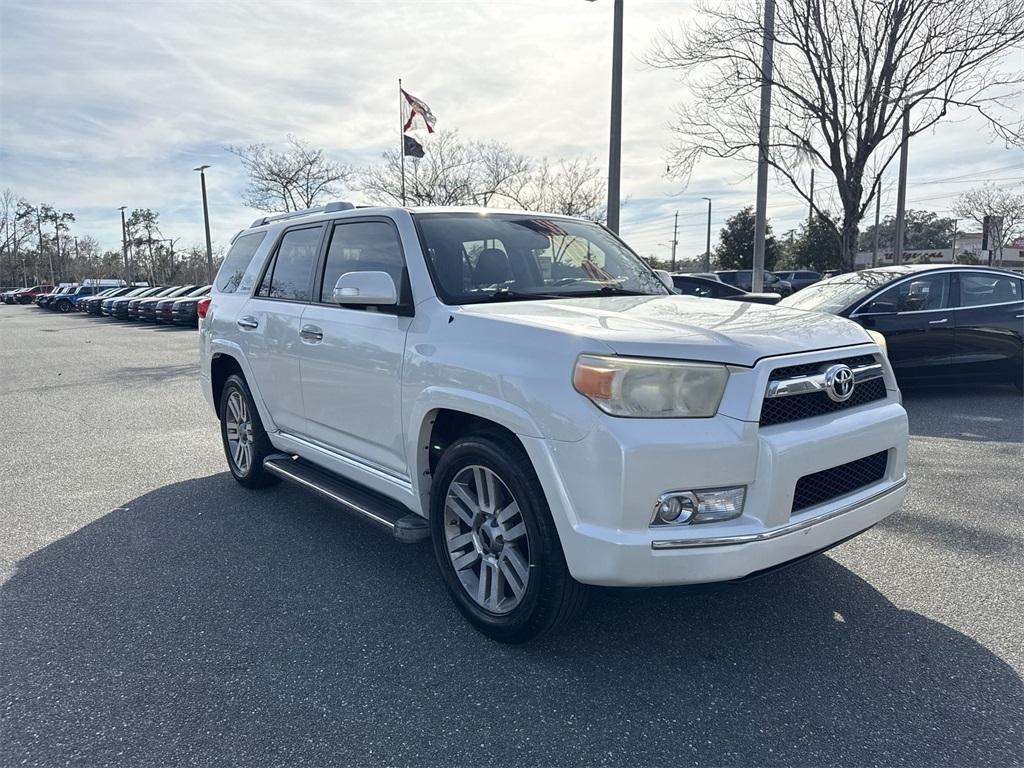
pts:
[205, 624]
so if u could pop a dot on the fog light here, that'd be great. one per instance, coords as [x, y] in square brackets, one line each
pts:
[709, 506]
[676, 507]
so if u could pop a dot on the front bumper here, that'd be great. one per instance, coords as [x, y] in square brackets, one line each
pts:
[604, 517]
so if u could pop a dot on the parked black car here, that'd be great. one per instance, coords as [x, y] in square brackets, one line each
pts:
[91, 305]
[181, 311]
[118, 307]
[146, 310]
[691, 285]
[744, 278]
[184, 311]
[940, 322]
[799, 278]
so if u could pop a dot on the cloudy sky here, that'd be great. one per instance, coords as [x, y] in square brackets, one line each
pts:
[109, 104]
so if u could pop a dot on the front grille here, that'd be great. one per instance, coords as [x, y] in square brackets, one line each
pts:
[829, 484]
[779, 410]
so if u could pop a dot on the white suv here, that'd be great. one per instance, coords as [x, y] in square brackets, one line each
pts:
[526, 392]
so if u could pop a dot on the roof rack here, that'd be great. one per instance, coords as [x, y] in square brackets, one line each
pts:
[338, 205]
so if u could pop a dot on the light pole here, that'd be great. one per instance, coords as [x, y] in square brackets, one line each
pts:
[901, 193]
[124, 246]
[615, 132]
[707, 248]
[206, 223]
[761, 217]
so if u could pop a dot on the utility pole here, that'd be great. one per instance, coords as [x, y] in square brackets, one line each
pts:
[953, 256]
[761, 219]
[901, 193]
[878, 212]
[810, 209]
[39, 228]
[707, 247]
[206, 222]
[675, 239]
[124, 247]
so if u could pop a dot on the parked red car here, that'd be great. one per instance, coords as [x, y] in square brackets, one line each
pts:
[28, 295]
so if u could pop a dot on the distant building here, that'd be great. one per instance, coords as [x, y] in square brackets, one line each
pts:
[966, 243]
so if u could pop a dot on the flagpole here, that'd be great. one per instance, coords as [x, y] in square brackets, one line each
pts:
[401, 138]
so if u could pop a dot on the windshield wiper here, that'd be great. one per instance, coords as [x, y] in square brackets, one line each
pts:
[608, 290]
[507, 294]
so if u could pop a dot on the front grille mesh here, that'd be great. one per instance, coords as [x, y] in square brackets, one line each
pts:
[829, 484]
[779, 410]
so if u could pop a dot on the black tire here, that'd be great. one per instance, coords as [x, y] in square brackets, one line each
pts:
[64, 306]
[552, 598]
[253, 475]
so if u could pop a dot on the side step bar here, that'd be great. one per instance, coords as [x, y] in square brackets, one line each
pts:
[390, 515]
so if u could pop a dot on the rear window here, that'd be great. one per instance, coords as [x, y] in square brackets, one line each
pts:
[237, 261]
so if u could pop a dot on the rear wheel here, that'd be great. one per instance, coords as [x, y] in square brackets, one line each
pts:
[495, 541]
[64, 306]
[246, 444]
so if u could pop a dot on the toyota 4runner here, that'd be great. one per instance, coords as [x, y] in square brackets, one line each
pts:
[525, 392]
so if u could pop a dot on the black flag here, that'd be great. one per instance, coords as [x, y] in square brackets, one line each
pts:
[411, 147]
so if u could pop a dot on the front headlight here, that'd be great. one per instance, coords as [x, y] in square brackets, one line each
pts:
[641, 388]
[879, 339]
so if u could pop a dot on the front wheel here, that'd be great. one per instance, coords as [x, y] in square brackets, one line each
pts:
[495, 541]
[246, 444]
[64, 306]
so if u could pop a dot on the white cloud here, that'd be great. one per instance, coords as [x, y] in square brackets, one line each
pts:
[106, 104]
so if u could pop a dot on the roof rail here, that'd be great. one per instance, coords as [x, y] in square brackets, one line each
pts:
[338, 205]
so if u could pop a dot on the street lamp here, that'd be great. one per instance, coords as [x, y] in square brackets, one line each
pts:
[615, 132]
[707, 249]
[206, 222]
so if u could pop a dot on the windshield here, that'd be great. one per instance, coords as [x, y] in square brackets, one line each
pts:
[837, 293]
[477, 257]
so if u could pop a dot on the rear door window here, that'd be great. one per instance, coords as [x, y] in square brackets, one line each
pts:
[984, 289]
[290, 272]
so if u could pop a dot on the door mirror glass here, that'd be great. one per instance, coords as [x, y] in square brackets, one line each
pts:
[366, 289]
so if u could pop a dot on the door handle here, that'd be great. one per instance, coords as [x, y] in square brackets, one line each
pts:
[938, 322]
[311, 333]
[248, 322]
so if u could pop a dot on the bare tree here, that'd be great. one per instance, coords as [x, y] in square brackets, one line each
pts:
[569, 187]
[298, 177]
[845, 73]
[454, 171]
[1003, 207]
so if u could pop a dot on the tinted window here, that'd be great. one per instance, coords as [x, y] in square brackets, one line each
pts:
[979, 290]
[915, 295]
[237, 260]
[362, 246]
[838, 293]
[692, 287]
[289, 273]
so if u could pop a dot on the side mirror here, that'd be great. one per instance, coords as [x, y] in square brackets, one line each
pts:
[666, 279]
[365, 288]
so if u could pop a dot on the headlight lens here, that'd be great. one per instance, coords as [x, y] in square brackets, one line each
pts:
[879, 339]
[660, 389]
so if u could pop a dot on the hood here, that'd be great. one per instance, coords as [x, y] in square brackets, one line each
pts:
[683, 327]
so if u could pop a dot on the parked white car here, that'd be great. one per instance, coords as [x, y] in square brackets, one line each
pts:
[524, 391]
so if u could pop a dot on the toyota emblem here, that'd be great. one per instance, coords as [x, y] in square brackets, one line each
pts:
[839, 383]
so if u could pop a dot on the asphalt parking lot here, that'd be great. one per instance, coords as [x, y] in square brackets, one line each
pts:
[153, 612]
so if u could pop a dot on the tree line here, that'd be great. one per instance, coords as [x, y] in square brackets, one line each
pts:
[39, 246]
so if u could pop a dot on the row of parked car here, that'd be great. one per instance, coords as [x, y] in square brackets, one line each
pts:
[176, 304]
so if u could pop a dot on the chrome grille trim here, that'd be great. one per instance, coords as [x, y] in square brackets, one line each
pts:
[802, 385]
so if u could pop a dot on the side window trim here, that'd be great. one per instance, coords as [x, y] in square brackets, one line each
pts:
[271, 262]
[405, 297]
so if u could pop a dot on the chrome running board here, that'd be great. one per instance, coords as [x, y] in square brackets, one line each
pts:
[379, 510]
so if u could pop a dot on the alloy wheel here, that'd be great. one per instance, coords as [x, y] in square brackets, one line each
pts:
[487, 539]
[238, 426]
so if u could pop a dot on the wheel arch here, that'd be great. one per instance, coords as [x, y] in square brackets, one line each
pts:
[227, 361]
